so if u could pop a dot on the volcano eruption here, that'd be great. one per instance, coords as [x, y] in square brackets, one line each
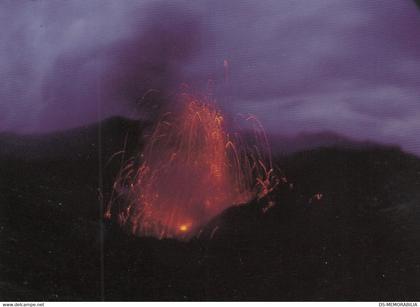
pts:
[190, 170]
[209, 151]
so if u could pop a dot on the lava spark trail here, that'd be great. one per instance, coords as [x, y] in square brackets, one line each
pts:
[190, 170]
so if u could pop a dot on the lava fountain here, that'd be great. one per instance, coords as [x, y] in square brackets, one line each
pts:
[190, 170]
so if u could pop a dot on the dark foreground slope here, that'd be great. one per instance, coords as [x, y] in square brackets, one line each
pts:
[345, 227]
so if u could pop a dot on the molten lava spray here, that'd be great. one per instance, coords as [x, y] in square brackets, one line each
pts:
[190, 170]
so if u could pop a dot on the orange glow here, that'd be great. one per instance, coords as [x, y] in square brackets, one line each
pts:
[191, 169]
[183, 228]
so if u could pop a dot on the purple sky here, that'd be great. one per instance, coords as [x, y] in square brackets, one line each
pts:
[348, 66]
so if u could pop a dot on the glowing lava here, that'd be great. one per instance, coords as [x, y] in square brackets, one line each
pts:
[189, 171]
[183, 228]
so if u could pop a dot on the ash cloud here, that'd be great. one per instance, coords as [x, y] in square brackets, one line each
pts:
[351, 67]
[94, 68]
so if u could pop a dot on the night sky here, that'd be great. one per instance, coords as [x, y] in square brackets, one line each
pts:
[347, 66]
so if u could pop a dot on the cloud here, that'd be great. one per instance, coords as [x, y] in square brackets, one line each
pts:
[68, 61]
[347, 66]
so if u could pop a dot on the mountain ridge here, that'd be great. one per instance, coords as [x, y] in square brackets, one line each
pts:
[114, 129]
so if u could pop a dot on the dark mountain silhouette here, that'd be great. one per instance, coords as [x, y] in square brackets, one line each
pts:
[73, 144]
[345, 226]
[83, 141]
[305, 141]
